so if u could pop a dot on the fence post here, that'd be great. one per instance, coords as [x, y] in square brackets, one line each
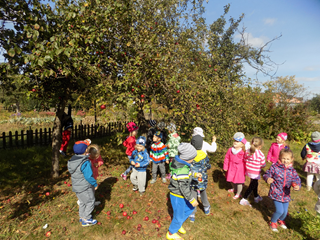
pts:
[49, 140]
[41, 136]
[4, 140]
[45, 136]
[10, 139]
[22, 138]
[16, 139]
[92, 133]
[31, 137]
[109, 126]
[36, 136]
[75, 132]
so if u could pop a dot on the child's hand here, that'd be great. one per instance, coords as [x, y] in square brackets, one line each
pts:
[168, 146]
[195, 203]
[296, 188]
[214, 139]
[268, 160]
[270, 180]
[167, 161]
[132, 163]
[96, 164]
[96, 188]
[199, 175]
[137, 165]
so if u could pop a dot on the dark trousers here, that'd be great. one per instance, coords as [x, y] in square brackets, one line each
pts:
[253, 187]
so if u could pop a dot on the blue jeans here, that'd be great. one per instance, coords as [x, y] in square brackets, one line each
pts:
[181, 211]
[281, 211]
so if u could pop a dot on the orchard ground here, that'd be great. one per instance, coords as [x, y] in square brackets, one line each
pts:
[30, 199]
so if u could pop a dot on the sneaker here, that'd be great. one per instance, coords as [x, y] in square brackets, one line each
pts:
[141, 194]
[124, 177]
[282, 224]
[168, 176]
[153, 181]
[309, 188]
[135, 188]
[96, 203]
[182, 230]
[89, 222]
[258, 199]
[192, 218]
[245, 202]
[80, 220]
[231, 190]
[274, 226]
[236, 196]
[62, 153]
[164, 180]
[173, 236]
[207, 212]
[78, 202]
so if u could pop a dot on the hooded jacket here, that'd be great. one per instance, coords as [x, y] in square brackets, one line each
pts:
[274, 150]
[142, 158]
[173, 143]
[82, 178]
[283, 178]
[311, 152]
[200, 165]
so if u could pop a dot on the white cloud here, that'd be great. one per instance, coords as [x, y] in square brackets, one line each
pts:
[269, 21]
[308, 79]
[312, 68]
[254, 41]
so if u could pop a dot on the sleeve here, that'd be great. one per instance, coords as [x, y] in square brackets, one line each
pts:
[296, 178]
[269, 156]
[125, 143]
[185, 189]
[145, 160]
[132, 157]
[100, 161]
[304, 152]
[226, 161]
[262, 160]
[210, 148]
[269, 173]
[175, 143]
[87, 173]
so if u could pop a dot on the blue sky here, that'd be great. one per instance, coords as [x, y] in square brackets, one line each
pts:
[299, 23]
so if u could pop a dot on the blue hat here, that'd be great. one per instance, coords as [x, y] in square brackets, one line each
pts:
[141, 141]
[80, 147]
[158, 134]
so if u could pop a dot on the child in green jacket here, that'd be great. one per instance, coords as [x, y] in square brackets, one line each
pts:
[172, 143]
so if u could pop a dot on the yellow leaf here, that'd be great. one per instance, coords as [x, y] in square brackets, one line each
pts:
[86, 4]
[128, 44]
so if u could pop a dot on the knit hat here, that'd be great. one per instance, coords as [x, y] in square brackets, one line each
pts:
[187, 151]
[158, 134]
[141, 141]
[131, 126]
[81, 146]
[161, 125]
[152, 123]
[315, 136]
[239, 136]
[283, 135]
[197, 142]
[171, 127]
[198, 131]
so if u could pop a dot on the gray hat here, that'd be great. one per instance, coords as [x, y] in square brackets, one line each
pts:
[171, 127]
[239, 136]
[197, 142]
[161, 125]
[315, 136]
[187, 151]
[152, 122]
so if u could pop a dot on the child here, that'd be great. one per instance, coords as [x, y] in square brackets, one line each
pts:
[311, 153]
[173, 143]
[129, 143]
[273, 154]
[162, 128]
[198, 185]
[206, 147]
[152, 130]
[182, 201]
[255, 160]
[316, 188]
[67, 124]
[234, 164]
[159, 156]
[281, 176]
[140, 161]
[83, 182]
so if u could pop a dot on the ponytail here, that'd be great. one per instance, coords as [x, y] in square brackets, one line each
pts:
[255, 143]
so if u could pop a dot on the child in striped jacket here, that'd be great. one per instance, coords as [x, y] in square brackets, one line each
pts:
[255, 160]
[159, 156]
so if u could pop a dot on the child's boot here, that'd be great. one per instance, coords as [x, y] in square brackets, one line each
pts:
[135, 188]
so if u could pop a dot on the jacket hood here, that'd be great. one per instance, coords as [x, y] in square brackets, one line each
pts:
[76, 161]
[314, 146]
[178, 163]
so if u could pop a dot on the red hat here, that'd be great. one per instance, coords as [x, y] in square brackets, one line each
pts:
[131, 126]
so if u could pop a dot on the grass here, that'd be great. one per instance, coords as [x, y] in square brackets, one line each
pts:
[25, 208]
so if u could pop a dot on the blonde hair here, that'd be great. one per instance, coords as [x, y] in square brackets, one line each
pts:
[94, 151]
[285, 151]
[143, 147]
[255, 143]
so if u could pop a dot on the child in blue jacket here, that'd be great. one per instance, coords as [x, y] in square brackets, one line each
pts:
[281, 176]
[140, 161]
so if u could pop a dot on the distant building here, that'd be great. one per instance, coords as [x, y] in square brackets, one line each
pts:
[288, 99]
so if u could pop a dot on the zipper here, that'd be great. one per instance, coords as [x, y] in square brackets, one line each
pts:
[284, 181]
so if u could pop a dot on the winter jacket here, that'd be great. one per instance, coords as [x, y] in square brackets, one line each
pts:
[283, 178]
[150, 135]
[180, 181]
[129, 143]
[274, 150]
[173, 143]
[311, 152]
[206, 147]
[200, 165]
[254, 163]
[142, 158]
[82, 178]
[234, 164]
[159, 152]
[99, 161]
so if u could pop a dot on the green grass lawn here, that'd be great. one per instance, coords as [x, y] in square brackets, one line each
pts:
[25, 208]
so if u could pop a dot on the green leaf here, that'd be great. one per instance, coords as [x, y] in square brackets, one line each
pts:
[11, 52]
[40, 62]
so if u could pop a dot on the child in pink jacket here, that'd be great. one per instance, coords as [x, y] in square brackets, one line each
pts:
[276, 147]
[95, 159]
[234, 164]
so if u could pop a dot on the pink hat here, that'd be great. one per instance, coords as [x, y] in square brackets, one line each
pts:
[131, 126]
[283, 135]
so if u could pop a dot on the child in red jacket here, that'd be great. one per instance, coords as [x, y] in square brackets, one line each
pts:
[130, 143]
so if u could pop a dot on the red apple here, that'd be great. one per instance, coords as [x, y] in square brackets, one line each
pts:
[150, 27]
[177, 43]
[48, 234]
[209, 65]
[197, 105]
[238, 123]
[139, 225]
[134, 212]
[154, 221]
[33, 90]
[128, 217]
[103, 106]
[156, 23]
[65, 182]
[215, 69]
[139, 229]
[124, 232]
[142, 96]
[108, 213]
[47, 193]
[146, 219]
[99, 223]
[132, 90]
[124, 214]
[69, 184]
[178, 91]
[121, 205]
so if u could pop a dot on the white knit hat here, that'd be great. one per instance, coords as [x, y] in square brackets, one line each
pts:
[198, 131]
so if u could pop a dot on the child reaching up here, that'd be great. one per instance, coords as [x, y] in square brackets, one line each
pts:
[311, 153]
[234, 164]
[206, 147]
[281, 176]
[129, 143]
[182, 201]
[254, 160]
[276, 147]
[140, 161]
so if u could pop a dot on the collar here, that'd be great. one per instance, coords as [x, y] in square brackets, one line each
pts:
[234, 151]
[181, 161]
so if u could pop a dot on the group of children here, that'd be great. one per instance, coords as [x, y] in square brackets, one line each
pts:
[188, 165]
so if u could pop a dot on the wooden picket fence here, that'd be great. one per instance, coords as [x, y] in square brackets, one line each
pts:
[40, 137]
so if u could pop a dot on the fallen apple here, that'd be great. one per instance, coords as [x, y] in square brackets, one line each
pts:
[124, 213]
[48, 234]
[134, 212]
[139, 226]
[146, 219]
[178, 91]
[124, 232]
[121, 205]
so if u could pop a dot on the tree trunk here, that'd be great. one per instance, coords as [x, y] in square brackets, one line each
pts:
[17, 107]
[142, 123]
[56, 141]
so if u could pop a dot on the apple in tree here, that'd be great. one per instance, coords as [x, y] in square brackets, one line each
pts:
[69, 184]
[215, 69]
[132, 90]
[103, 106]
[142, 96]
[209, 65]
[33, 90]
[178, 91]
[47, 193]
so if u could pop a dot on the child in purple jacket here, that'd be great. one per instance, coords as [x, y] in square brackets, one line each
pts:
[281, 176]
